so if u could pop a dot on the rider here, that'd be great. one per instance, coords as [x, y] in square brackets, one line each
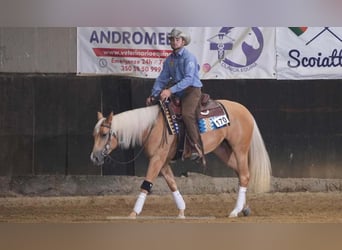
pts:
[182, 70]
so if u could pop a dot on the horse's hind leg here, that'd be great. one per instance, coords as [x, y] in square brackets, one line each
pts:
[168, 175]
[239, 163]
[243, 175]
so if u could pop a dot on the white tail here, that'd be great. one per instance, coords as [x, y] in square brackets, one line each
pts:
[259, 164]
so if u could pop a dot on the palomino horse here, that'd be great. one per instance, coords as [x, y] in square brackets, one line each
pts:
[239, 145]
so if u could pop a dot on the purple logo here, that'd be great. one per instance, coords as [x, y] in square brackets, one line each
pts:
[237, 49]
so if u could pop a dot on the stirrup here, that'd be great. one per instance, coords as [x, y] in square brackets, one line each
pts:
[198, 159]
[199, 151]
[198, 156]
[195, 156]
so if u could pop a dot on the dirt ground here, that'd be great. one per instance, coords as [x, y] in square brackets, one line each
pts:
[294, 207]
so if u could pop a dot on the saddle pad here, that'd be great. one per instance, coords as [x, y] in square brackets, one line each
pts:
[209, 119]
[212, 119]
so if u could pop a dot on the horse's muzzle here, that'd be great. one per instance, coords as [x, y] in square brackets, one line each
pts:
[97, 159]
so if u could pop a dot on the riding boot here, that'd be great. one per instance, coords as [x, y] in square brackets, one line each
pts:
[198, 155]
[193, 151]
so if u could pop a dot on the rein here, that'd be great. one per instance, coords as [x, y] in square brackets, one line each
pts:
[129, 161]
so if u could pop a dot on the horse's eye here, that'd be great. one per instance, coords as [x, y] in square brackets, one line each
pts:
[104, 135]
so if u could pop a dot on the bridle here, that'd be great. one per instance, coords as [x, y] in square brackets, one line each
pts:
[106, 150]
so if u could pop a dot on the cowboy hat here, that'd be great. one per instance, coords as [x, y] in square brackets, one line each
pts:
[178, 33]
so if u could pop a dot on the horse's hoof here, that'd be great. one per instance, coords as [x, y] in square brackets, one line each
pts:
[233, 214]
[246, 211]
[132, 215]
[181, 214]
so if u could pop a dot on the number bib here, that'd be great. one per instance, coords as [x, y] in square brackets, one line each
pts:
[220, 121]
[212, 123]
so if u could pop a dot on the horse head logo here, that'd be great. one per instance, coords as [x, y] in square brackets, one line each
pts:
[238, 47]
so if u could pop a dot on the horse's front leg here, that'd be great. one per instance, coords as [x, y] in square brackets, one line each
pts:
[156, 163]
[168, 175]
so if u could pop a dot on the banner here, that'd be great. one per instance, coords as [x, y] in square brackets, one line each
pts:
[309, 52]
[222, 52]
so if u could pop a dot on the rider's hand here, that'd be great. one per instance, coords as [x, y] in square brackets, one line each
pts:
[149, 100]
[166, 93]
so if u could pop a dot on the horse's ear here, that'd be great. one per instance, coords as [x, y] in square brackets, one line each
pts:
[99, 115]
[110, 117]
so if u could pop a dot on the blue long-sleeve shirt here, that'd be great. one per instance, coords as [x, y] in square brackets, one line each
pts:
[180, 68]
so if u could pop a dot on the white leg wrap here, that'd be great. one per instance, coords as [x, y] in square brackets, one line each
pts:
[139, 203]
[240, 202]
[178, 198]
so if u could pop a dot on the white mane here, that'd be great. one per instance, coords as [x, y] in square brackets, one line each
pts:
[130, 125]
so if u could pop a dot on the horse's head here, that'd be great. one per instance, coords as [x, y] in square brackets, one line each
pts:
[104, 139]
